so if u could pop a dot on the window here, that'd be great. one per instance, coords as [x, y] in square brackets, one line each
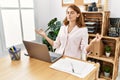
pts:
[17, 17]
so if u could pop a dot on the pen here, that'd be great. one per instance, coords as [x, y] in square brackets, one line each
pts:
[72, 67]
[14, 48]
[11, 49]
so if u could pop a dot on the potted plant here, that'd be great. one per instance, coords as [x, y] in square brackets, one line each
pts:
[106, 70]
[52, 31]
[107, 51]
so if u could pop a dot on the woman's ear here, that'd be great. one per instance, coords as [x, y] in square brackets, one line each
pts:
[78, 15]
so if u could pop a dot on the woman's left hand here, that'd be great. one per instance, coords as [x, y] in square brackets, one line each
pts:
[97, 38]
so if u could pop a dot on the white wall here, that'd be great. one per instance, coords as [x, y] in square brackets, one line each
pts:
[45, 10]
[42, 14]
[48, 9]
[56, 8]
[1, 36]
[114, 6]
[1, 50]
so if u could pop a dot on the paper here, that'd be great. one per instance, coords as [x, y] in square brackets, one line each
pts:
[81, 69]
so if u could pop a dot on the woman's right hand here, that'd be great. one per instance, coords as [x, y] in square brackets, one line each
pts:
[41, 32]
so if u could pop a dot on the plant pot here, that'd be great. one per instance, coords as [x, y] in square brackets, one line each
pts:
[107, 54]
[106, 74]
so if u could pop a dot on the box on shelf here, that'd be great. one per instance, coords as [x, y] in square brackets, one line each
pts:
[97, 48]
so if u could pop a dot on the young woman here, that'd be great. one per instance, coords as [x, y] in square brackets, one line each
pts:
[72, 39]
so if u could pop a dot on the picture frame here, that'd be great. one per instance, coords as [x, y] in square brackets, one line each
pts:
[78, 2]
[68, 2]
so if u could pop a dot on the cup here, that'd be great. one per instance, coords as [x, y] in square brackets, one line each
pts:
[15, 55]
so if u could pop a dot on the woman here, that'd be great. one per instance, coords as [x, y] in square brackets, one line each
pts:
[72, 39]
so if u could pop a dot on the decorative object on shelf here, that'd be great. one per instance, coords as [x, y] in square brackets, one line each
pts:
[106, 70]
[86, 7]
[97, 48]
[52, 30]
[100, 7]
[92, 7]
[107, 51]
[114, 31]
[114, 27]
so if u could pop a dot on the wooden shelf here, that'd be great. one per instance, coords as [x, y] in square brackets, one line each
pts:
[101, 79]
[106, 78]
[95, 12]
[97, 49]
[107, 37]
[92, 35]
[103, 58]
[113, 60]
[101, 18]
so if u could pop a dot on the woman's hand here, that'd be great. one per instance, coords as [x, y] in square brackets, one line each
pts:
[93, 41]
[41, 32]
[97, 38]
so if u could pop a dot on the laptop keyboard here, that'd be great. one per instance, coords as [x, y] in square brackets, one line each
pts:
[53, 57]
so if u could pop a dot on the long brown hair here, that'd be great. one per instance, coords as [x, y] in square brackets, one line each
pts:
[79, 21]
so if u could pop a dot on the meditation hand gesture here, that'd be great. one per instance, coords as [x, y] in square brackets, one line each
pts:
[97, 38]
[41, 32]
[93, 41]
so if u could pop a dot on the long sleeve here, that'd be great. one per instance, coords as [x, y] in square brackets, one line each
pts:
[57, 42]
[60, 42]
[84, 44]
[72, 44]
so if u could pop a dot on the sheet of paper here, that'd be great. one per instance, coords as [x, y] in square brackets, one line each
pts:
[81, 69]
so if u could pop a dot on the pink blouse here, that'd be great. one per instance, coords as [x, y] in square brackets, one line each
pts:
[72, 44]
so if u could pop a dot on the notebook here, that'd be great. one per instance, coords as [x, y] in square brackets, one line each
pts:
[75, 67]
[40, 51]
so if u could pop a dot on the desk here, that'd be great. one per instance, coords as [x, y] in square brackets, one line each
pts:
[33, 69]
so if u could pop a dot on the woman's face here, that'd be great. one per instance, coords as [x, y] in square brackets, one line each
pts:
[71, 15]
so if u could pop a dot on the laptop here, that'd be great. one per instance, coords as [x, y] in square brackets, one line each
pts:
[41, 52]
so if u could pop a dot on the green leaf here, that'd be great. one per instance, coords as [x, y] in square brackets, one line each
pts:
[107, 49]
[53, 30]
[106, 68]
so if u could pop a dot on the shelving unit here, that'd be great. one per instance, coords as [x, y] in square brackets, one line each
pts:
[100, 21]
[112, 61]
